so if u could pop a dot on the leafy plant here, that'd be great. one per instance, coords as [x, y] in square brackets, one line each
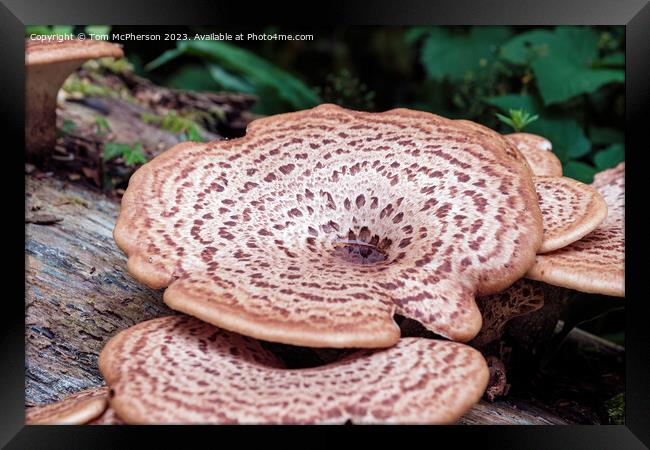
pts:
[131, 153]
[518, 119]
[234, 68]
[175, 123]
[102, 126]
[68, 127]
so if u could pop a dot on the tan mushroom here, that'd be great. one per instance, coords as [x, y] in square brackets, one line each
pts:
[179, 370]
[48, 64]
[570, 210]
[76, 409]
[537, 152]
[595, 263]
[318, 225]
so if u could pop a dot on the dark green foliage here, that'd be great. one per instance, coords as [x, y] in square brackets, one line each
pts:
[518, 119]
[130, 153]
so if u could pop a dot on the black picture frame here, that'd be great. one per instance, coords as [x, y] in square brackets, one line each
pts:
[634, 14]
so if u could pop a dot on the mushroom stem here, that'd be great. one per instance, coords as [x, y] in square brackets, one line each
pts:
[42, 86]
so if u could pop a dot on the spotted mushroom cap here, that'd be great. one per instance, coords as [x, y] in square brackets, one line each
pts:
[108, 417]
[317, 226]
[596, 263]
[523, 297]
[76, 409]
[570, 210]
[538, 154]
[178, 370]
[39, 52]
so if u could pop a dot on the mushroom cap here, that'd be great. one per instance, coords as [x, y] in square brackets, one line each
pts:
[76, 409]
[523, 297]
[570, 210]
[596, 263]
[538, 154]
[177, 369]
[109, 417]
[39, 53]
[317, 226]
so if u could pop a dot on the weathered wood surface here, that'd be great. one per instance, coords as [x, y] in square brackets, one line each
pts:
[78, 295]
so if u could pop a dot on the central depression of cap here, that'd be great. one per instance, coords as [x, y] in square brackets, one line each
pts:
[317, 226]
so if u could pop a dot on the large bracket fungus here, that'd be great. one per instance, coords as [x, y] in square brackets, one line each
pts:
[48, 64]
[177, 370]
[595, 263]
[317, 226]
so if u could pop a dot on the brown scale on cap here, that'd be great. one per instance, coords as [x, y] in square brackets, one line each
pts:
[48, 64]
[177, 369]
[538, 154]
[317, 226]
[521, 298]
[570, 210]
[595, 263]
[76, 409]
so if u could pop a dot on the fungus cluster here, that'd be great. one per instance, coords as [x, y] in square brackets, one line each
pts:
[315, 229]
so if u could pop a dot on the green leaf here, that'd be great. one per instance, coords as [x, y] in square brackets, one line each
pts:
[255, 70]
[414, 34]
[609, 157]
[525, 47]
[614, 60]
[192, 77]
[579, 171]
[102, 125]
[97, 29]
[604, 135]
[135, 155]
[229, 81]
[114, 150]
[446, 54]
[508, 102]
[40, 30]
[564, 62]
[164, 58]
[62, 29]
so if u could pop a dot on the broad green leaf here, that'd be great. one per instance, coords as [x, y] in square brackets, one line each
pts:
[614, 60]
[526, 47]
[579, 171]
[605, 135]
[447, 54]
[564, 62]
[609, 157]
[228, 81]
[113, 150]
[508, 102]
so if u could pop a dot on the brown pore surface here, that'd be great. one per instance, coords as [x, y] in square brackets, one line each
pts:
[570, 210]
[538, 154]
[523, 297]
[317, 226]
[76, 409]
[596, 263]
[49, 52]
[178, 369]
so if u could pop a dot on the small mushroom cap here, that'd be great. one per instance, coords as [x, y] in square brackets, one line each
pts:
[39, 53]
[596, 263]
[179, 370]
[318, 225]
[76, 409]
[538, 154]
[570, 210]
[523, 297]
